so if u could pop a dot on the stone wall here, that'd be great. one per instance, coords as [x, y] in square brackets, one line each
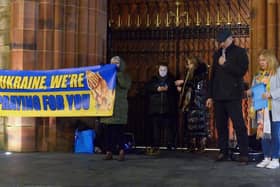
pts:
[49, 34]
[4, 53]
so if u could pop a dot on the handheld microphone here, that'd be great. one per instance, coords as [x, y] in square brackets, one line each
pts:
[224, 53]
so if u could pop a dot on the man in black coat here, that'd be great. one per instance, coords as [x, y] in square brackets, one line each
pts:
[230, 63]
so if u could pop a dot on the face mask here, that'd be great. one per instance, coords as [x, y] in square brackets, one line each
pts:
[162, 71]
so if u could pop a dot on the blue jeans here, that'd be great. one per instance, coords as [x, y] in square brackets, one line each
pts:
[271, 146]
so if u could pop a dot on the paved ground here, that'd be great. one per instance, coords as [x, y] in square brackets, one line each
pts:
[171, 168]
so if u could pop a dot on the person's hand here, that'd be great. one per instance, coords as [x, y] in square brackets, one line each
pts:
[222, 60]
[266, 95]
[259, 131]
[165, 88]
[179, 82]
[162, 88]
[209, 102]
[98, 86]
[179, 88]
[248, 93]
[159, 89]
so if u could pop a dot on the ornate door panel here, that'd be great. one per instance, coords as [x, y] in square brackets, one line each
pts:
[145, 31]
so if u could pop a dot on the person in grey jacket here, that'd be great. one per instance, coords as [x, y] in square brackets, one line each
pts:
[268, 118]
[114, 125]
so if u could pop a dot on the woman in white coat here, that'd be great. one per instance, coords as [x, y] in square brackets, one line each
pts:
[268, 118]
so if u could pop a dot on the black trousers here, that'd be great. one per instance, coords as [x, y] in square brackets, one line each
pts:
[163, 124]
[223, 111]
[114, 137]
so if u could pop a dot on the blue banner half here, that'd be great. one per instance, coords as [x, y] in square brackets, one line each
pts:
[86, 91]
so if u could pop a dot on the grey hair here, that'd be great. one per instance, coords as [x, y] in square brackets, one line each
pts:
[116, 58]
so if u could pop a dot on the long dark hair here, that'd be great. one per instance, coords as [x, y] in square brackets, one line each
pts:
[192, 60]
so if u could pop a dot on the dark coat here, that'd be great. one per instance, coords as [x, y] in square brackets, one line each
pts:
[197, 115]
[121, 103]
[161, 102]
[198, 85]
[226, 81]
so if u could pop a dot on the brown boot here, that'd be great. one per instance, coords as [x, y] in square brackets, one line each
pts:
[108, 156]
[243, 160]
[202, 145]
[155, 151]
[121, 155]
[192, 145]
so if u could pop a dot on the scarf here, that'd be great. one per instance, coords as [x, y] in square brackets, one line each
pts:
[264, 119]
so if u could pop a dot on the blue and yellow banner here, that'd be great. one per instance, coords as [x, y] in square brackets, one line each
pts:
[86, 91]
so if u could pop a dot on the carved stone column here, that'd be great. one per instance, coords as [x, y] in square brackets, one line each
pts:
[258, 31]
[4, 54]
[50, 35]
[21, 130]
[271, 24]
[278, 29]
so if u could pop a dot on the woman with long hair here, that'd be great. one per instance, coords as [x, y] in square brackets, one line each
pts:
[268, 118]
[193, 92]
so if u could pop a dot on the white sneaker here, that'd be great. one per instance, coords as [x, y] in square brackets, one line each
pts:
[263, 163]
[273, 164]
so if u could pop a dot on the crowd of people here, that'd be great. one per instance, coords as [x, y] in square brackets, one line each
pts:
[221, 88]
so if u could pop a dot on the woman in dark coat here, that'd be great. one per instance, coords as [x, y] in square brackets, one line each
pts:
[114, 125]
[192, 102]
